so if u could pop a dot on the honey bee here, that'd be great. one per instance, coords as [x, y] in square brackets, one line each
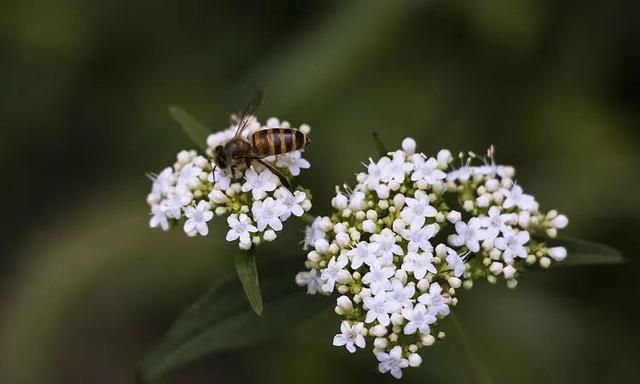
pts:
[261, 144]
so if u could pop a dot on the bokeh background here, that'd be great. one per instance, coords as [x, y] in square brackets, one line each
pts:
[87, 287]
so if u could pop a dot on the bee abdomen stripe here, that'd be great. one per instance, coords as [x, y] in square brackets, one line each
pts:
[299, 140]
[274, 142]
[284, 141]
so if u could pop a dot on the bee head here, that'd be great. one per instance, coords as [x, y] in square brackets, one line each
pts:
[219, 157]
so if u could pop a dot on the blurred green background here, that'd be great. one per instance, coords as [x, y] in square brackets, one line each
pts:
[87, 287]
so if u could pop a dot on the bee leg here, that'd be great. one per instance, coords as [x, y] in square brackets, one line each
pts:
[276, 172]
[213, 170]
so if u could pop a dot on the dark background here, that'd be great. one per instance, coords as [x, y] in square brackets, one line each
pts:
[87, 287]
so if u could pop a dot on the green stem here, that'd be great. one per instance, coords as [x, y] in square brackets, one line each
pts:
[475, 369]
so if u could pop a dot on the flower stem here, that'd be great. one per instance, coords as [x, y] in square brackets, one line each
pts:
[476, 371]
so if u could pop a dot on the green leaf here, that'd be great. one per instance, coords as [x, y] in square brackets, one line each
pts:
[582, 252]
[248, 274]
[380, 147]
[221, 320]
[192, 127]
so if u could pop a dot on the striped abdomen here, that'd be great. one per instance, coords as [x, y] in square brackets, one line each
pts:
[275, 141]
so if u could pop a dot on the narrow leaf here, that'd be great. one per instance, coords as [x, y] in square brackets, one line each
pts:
[380, 147]
[192, 127]
[248, 274]
[221, 320]
[582, 252]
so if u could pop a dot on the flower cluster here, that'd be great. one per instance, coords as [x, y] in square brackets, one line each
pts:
[192, 191]
[412, 231]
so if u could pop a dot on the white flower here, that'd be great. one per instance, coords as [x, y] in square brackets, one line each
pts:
[402, 294]
[497, 222]
[159, 217]
[419, 236]
[375, 172]
[197, 219]
[419, 264]
[291, 201]
[391, 278]
[178, 198]
[379, 308]
[392, 362]
[512, 244]
[468, 234]
[311, 279]
[515, 197]
[259, 183]
[395, 170]
[434, 300]
[293, 161]
[419, 319]
[241, 228]
[387, 243]
[427, 170]
[461, 174]
[188, 175]
[455, 262]
[221, 178]
[267, 213]
[313, 232]
[350, 336]
[330, 273]
[417, 210]
[163, 182]
[356, 200]
[378, 276]
[362, 253]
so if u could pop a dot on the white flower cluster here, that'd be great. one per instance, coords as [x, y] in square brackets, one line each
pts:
[411, 232]
[193, 191]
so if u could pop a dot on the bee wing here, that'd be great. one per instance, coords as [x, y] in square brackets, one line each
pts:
[249, 110]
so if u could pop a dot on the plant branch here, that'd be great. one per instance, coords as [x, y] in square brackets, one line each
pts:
[476, 371]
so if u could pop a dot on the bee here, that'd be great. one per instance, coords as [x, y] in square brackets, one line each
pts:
[261, 144]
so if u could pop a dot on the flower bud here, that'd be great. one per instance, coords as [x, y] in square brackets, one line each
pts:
[378, 330]
[414, 360]
[369, 226]
[322, 246]
[496, 268]
[409, 145]
[557, 253]
[401, 275]
[342, 239]
[344, 277]
[314, 256]
[340, 201]
[423, 285]
[509, 271]
[544, 262]
[441, 251]
[397, 319]
[483, 201]
[444, 157]
[560, 221]
[454, 282]
[428, 340]
[380, 343]
[269, 235]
